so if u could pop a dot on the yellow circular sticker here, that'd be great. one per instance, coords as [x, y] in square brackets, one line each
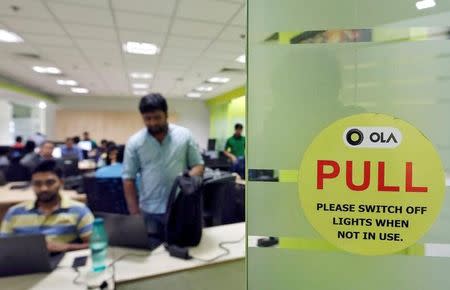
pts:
[371, 184]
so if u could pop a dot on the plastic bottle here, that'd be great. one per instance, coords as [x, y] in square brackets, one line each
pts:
[99, 245]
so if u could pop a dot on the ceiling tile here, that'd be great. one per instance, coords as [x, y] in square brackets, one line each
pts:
[67, 13]
[195, 29]
[207, 10]
[234, 33]
[90, 31]
[49, 40]
[20, 25]
[92, 3]
[162, 7]
[186, 43]
[27, 8]
[141, 36]
[241, 18]
[128, 20]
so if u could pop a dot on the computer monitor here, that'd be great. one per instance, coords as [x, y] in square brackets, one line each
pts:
[57, 153]
[85, 145]
[211, 144]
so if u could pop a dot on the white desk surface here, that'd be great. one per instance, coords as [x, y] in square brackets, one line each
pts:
[13, 196]
[132, 268]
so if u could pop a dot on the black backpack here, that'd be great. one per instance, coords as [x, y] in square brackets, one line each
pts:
[184, 213]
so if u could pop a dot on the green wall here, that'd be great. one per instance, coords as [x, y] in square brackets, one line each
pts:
[225, 111]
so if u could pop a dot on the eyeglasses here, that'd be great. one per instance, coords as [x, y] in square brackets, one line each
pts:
[47, 182]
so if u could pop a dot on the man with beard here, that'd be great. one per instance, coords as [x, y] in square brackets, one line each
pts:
[158, 153]
[67, 224]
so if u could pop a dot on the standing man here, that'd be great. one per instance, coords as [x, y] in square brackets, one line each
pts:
[67, 224]
[235, 150]
[159, 153]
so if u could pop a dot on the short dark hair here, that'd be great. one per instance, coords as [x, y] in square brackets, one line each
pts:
[19, 139]
[152, 102]
[30, 145]
[47, 142]
[48, 166]
[238, 126]
[76, 139]
[104, 141]
[69, 139]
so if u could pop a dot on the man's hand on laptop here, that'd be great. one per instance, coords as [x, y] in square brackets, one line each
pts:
[56, 247]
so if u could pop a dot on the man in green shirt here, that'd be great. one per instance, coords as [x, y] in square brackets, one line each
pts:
[235, 150]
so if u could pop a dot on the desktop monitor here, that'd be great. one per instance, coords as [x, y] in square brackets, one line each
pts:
[85, 145]
[211, 144]
[57, 153]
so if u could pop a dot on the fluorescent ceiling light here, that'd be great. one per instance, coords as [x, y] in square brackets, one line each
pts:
[80, 90]
[42, 105]
[47, 70]
[140, 93]
[140, 86]
[193, 95]
[219, 80]
[204, 89]
[241, 59]
[140, 48]
[8, 36]
[67, 82]
[137, 75]
[424, 4]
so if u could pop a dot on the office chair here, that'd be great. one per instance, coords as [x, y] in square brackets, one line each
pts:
[105, 194]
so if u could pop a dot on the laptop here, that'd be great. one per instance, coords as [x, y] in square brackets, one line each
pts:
[128, 231]
[26, 254]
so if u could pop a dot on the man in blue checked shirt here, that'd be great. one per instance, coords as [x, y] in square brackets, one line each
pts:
[159, 153]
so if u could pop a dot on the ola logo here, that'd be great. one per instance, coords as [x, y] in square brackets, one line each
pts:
[371, 184]
[354, 137]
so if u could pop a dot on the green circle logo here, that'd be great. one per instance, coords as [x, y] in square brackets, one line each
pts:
[371, 184]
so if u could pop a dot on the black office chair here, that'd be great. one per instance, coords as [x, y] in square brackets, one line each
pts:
[17, 172]
[105, 194]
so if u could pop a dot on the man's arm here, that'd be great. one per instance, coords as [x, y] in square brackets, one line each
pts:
[197, 170]
[130, 170]
[230, 156]
[57, 247]
[129, 188]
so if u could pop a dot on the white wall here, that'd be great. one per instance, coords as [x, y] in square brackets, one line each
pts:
[38, 122]
[191, 114]
[6, 137]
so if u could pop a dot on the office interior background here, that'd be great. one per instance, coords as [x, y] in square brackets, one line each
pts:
[72, 66]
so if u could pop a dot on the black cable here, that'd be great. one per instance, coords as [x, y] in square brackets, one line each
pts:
[221, 245]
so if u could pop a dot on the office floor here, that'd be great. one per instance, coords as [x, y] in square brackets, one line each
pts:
[224, 276]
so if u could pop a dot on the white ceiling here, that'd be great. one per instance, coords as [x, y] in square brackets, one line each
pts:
[198, 38]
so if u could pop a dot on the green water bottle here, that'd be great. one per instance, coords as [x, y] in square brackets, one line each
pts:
[99, 245]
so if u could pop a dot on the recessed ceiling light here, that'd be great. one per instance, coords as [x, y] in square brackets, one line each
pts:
[42, 105]
[241, 59]
[140, 86]
[8, 36]
[204, 89]
[79, 90]
[219, 80]
[424, 4]
[193, 95]
[137, 75]
[66, 82]
[140, 48]
[140, 93]
[47, 70]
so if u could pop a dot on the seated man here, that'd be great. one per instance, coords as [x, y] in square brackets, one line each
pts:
[62, 220]
[31, 160]
[70, 150]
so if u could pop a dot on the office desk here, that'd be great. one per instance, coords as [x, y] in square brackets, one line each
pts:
[157, 270]
[10, 197]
